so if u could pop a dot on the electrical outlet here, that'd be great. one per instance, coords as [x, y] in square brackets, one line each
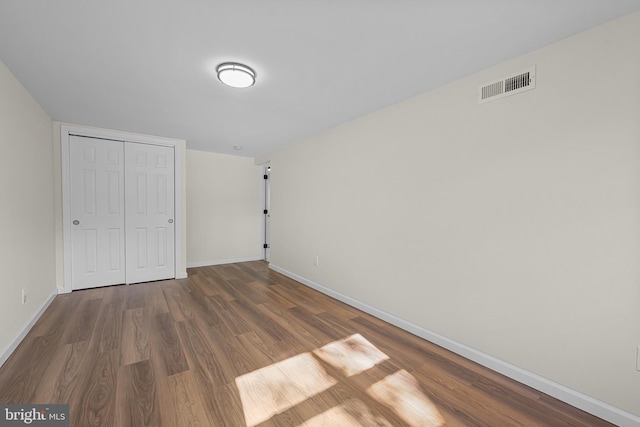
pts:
[24, 296]
[316, 261]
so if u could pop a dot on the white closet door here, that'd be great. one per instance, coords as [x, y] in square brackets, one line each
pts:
[97, 212]
[149, 195]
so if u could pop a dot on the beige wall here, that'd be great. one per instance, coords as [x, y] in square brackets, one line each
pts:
[223, 209]
[26, 214]
[511, 227]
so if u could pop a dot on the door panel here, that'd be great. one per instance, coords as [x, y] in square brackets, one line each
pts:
[150, 212]
[97, 203]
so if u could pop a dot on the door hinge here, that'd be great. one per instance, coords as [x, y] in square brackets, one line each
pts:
[266, 176]
[266, 246]
[265, 211]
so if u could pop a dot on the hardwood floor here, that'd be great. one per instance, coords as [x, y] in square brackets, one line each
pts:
[241, 345]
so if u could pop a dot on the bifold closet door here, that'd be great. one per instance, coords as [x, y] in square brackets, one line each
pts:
[149, 213]
[97, 212]
[122, 212]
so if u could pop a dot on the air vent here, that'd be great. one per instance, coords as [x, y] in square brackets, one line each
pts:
[509, 85]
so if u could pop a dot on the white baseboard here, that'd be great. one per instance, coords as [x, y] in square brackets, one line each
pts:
[25, 330]
[572, 397]
[222, 261]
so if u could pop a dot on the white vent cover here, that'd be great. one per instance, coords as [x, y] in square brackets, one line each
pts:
[506, 86]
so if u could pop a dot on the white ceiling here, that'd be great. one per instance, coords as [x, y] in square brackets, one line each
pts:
[147, 66]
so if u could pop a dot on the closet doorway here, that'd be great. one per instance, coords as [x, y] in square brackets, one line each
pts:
[119, 213]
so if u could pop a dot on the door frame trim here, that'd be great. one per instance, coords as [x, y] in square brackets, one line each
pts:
[66, 131]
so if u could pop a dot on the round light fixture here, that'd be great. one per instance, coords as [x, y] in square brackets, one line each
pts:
[236, 75]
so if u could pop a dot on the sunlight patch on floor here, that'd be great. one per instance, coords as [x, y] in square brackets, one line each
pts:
[401, 393]
[352, 355]
[275, 388]
[353, 413]
[280, 387]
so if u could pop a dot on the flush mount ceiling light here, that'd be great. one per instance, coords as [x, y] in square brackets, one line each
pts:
[236, 75]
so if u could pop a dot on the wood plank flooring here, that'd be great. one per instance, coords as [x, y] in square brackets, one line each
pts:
[241, 345]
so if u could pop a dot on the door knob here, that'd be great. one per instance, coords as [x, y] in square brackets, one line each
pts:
[76, 222]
